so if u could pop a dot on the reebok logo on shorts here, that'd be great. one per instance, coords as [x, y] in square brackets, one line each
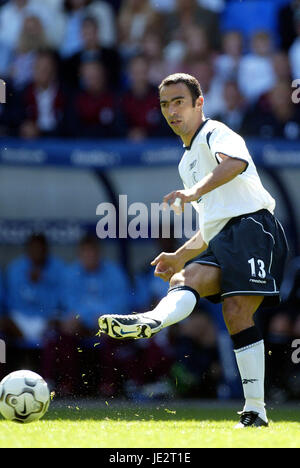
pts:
[257, 281]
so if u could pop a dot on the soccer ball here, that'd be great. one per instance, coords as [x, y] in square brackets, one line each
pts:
[24, 396]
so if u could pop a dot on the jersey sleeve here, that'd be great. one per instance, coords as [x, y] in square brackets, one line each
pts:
[223, 140]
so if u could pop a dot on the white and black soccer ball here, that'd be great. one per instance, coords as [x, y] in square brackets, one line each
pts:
[24, 396]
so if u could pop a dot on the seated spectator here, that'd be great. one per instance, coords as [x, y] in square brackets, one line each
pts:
[104, 14]
[12, 16]
[256, 74]
[92, 50]
[278, 358]
[152, 46]
[90, 288]
[196, 370]
[43, 101]
[287, 24]
[250, 16]
[187, 14]
[140, 104]
[279, 118]
[72, 41]
[92, 285]
[32, 39]
[235, 107]
[75, 12]
[33, 291]
[95, 113]
[135, 18]
[281, 66]
[212, 87]
[197, 46]
[227, 64]
[6, 55]
[294, 51]
[290, 288]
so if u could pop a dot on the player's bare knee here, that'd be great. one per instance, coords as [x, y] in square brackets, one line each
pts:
[178, 279]
[183, 278]
[204, 279]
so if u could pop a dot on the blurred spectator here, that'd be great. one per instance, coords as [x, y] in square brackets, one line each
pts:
[290, 288]
[294, 51]
[140, 105]
[6, 54]
[250, 16]
[197, 46]
[212, 87]
[256, 74]
[152, 46]
[287, 24]
[92, 50]
[135, 18]
[32, 39]
[235, 107]
[281, 66]
[227, 64]
[189, 13]
[104, 14]
[196, 370]
[75, 12]
[95, 113]
[72, 41]
[43, 101]
[12, 16]
[279, 118]
[33, 291]
[278, 356]
[90, 288]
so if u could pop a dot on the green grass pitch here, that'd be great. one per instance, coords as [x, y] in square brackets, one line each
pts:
[166, 425]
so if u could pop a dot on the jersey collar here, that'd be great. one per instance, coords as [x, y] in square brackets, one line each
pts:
[195, 134]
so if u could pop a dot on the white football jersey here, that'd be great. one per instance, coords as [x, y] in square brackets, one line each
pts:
[243, 194]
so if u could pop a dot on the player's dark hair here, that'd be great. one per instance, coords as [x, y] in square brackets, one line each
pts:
[190, 81]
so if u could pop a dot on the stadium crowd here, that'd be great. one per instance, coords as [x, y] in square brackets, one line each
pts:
[94, 71]
[90, 69]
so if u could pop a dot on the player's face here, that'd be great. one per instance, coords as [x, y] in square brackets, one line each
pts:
[177, 108]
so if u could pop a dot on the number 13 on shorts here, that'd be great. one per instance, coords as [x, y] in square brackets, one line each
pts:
[257, 267]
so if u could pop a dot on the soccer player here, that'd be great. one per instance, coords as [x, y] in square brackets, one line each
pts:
[239, 256]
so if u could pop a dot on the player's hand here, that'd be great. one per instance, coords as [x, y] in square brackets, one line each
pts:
[185, 196]
[166, 265]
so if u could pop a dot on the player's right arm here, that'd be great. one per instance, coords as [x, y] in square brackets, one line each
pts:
[167, 264]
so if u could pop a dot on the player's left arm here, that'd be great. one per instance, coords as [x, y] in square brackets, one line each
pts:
[228, 169]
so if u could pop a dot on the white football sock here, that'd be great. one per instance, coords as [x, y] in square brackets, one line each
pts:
[251, 364]
[176, 306]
